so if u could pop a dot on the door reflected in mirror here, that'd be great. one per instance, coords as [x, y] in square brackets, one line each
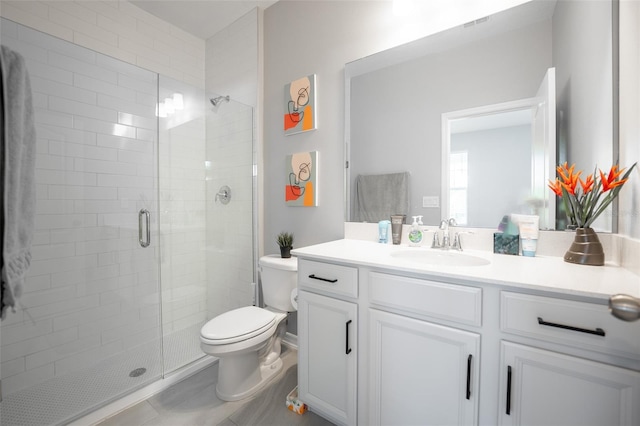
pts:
[491, 151]
[498, 158]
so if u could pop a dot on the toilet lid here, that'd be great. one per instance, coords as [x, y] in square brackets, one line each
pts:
[237, 325]
[275, 261]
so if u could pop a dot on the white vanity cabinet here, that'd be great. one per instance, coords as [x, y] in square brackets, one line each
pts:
[422, 373]
[436, 345]
[539, 386]
[432, 380]
[328, 340]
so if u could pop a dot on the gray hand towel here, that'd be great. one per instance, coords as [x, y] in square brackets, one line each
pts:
[18, 146]
[380, 196]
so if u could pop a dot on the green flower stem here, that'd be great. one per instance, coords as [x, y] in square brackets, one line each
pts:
[582, 210]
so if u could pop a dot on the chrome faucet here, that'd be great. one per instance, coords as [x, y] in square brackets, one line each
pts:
[444, 227]
[457, 240]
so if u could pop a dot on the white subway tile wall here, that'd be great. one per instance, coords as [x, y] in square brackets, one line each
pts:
[182, 219]
[117, 29]
[89, 173]
[232, 60]
[232, 69]
[229, 226]
[91, 287]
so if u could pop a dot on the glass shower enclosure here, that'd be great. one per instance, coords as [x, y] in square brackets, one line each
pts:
[133, 251]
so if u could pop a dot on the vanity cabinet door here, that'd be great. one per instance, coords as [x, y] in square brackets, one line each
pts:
[540, 387]
[327, 353]
[422, 373]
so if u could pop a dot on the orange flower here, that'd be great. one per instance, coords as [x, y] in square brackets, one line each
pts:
[571, 182]
[555, 187]
[585, 202]
[609, 181]
[566, 172]
[614, 173]
[587, 186]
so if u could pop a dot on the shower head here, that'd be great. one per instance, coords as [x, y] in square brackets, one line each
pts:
[217, 101]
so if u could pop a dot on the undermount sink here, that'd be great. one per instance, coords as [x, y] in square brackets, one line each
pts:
[440, 258]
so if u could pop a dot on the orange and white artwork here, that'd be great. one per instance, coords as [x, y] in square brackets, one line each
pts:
[300, 105]
[301, 188]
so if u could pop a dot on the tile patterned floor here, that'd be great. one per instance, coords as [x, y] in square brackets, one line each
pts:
[74, 394]
[70, 396]
[194, 402]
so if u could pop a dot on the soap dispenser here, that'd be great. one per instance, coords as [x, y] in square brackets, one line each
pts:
[415, 235]
[421, 226]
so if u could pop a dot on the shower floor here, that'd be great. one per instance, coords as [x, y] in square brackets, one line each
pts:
[64, 398]
[182, 347]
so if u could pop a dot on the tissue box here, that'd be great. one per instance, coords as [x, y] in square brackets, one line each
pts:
[506, 243]
[294, 404]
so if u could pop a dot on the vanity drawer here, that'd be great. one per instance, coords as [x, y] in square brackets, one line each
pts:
[450, 302]
[580, 324]
[328, 277]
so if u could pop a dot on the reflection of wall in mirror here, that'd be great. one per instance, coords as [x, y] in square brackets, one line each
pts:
[580, 93]
[583, 61]
[499, 172]
[396, 111]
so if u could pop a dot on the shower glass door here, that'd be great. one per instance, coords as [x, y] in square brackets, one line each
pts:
[182, 220]
[87, 328]
[206, 244]
[230, 163]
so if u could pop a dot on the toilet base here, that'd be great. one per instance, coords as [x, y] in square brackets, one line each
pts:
[227, 388]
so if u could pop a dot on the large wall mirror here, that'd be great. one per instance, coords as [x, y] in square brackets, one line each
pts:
[474, 89]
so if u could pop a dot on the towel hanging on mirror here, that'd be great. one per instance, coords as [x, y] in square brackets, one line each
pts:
[377, 197]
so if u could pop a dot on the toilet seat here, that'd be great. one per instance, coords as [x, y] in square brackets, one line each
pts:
[237, 325]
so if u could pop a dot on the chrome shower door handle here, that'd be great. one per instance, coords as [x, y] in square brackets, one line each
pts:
[147, 215]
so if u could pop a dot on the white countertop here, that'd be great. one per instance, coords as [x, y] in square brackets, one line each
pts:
[539, 273]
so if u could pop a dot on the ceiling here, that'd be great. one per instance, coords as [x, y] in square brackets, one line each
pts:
[202, 18]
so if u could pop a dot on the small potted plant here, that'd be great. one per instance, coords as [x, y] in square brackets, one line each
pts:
[285, 241]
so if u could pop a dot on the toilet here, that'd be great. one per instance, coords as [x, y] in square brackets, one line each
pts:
[247, 340]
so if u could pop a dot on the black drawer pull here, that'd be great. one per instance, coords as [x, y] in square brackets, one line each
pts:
[508, 390]
[313, 277]
[597, 331]
[469, 376]
[347, 348]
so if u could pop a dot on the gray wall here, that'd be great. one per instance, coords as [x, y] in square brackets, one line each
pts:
[303, 38]
[396, 112]
[309, 37]
[629, 218]
[582, 55]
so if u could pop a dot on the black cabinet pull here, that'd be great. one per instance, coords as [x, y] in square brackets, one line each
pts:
[347, 348]
[508, 390]
[313, 277]
[469, 376]
[597, 331]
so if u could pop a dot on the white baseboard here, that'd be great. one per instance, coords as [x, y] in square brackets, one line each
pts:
[290, 340]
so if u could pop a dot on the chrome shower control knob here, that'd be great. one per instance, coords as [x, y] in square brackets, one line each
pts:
[224, 195]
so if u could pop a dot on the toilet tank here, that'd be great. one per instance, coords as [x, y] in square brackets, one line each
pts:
[279, 277]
